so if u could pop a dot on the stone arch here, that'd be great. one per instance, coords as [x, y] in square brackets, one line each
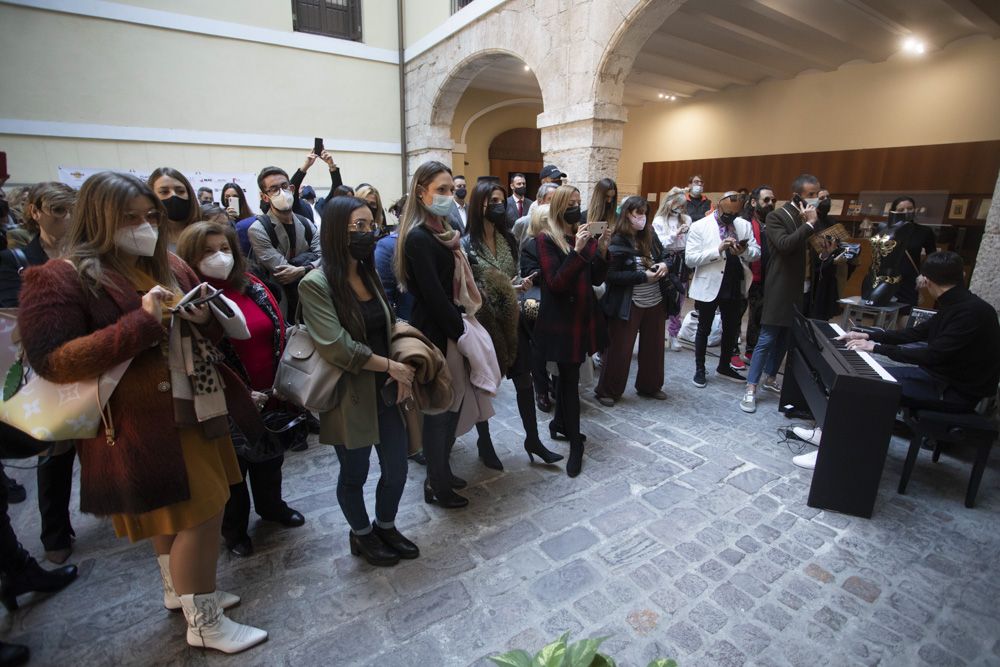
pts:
[637, 25]
[458, 79]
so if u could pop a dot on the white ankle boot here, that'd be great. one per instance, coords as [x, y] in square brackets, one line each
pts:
[208, 627]
[170, 600]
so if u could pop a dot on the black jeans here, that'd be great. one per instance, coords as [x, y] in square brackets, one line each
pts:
[567, 412]
[265, 478]
[755, 303]
[920, 390]
[730, 309]
[354, 465]
[55, 487]
[439, 439]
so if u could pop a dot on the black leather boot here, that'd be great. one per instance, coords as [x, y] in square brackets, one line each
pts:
[487, 454]
[536, 448]
[373, 550]
[12, 655]
[451, 501]
[32, 578]
[395, 541]
[575, 461]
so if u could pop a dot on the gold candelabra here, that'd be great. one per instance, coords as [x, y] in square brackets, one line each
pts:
[882, 246]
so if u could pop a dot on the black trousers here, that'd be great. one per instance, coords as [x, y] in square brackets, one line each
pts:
[730, 309]
[439, 439]
[265, 478]
[55, 487]
[755, 303]
[567, 411]
[12, 556]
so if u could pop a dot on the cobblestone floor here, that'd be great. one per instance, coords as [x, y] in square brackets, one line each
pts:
[686, 536]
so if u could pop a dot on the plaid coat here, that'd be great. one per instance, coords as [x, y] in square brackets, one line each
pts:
[570, 324]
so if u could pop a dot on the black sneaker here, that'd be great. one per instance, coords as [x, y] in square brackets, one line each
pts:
[731, 375]
[699, 379]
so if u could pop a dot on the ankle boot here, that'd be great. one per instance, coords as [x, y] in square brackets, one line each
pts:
[535, 448]
[12, 655]
[450, 501]
[575, 462]
[208, 627]
[396, 541]
[487, 454]
[32, 578]
[170, 599]
[556, 433]
[373, 549]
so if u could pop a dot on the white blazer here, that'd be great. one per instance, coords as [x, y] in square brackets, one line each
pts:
[702, 254]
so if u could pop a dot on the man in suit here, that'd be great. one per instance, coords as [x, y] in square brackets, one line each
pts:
[720, 248]
[460, 212]
[517, 203]
[787, 231]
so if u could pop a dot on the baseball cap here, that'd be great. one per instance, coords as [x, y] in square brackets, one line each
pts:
[551, 171]
[308, 192]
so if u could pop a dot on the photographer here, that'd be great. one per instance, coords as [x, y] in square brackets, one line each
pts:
[829, 267]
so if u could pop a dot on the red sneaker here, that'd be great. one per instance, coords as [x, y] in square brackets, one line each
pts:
[736, 363]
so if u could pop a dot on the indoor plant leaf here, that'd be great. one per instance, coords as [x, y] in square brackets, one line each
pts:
[518, 658]
[581, 653]
[553, 654]
[662, 662]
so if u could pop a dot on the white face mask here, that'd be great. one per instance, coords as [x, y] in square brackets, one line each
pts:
[442, 205]
[283, 200]
[218, 265]
[696, 190]
[139, 240]
[638, 222]
[812, 201]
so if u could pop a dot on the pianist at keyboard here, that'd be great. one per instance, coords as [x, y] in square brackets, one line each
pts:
[956, 353]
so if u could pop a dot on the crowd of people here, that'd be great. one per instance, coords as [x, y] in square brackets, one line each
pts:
[418, 311]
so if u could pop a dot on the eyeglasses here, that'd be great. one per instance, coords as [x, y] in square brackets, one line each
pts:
[361, 226]
[58, 211]
[275, 189]
[768, 200]
[151, 216]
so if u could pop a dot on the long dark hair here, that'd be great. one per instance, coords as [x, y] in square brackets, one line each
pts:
[476, 222]
[599, 209]
[334, 237]
[194, 213]
[642, 238]
[245, 211]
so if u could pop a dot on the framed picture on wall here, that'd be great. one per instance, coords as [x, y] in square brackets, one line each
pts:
[959, 209]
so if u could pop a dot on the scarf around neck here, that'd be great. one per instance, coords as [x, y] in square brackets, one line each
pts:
[464, 290]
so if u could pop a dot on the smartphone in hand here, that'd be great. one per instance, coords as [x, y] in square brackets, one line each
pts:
[318, 146]
[596, 228]
[233, 203]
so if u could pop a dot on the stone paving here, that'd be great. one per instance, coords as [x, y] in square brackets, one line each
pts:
[686, 536]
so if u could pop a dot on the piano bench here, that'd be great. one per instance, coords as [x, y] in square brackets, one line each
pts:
[953, 428]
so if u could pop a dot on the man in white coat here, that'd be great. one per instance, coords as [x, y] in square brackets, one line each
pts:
[720, 248]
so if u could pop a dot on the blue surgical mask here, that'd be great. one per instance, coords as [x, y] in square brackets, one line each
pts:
[442, 205]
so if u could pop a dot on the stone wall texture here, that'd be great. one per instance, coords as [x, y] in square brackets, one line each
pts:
[986, 276]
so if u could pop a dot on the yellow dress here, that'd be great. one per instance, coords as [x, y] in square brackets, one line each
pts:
[211, 467]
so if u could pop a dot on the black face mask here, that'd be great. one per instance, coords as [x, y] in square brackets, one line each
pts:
[727, 218]
[372, 208]
[177, 208]
[361, 245]
[897, 218]
[520, 191]
[823, 208]
[460, 193]
[497, 213]
[572, 215]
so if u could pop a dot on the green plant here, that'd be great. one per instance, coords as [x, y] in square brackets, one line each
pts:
[559, 653]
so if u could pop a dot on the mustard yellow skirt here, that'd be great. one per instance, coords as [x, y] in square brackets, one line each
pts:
[211, 468]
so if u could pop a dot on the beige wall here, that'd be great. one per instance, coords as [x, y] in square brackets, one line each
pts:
[422, 16]
[484, 129]
[946, 97]
[79, 71]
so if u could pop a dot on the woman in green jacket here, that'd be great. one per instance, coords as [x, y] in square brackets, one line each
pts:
[346, 313]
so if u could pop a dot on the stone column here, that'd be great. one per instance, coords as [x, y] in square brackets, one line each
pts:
[429, 144]
[584, 141]
[986, 276]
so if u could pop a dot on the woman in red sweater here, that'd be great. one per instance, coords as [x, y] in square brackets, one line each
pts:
[213, 251]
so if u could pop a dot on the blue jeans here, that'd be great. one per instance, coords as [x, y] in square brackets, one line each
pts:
[354, 465]
[769, 352]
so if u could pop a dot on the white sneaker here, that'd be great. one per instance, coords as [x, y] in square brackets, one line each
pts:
[810, 435]
[807, 461]
[170, 599]
[675, 344]
[208, 627]
[749, 402]
[771, 384]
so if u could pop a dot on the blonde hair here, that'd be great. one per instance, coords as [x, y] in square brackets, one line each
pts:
[667, 203]
[362, 193]
[539, 220]
[100, 211]
[414, 213]
[557, 209]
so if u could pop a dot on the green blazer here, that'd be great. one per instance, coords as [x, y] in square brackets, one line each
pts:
[353, 421]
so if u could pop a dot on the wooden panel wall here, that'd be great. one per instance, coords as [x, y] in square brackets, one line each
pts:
[965, 170]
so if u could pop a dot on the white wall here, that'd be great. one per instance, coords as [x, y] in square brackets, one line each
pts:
[948, 96]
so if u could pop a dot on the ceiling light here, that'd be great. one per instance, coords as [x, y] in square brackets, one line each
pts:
[672, 98]
[527, 69]
[660, 96]
[914, 46]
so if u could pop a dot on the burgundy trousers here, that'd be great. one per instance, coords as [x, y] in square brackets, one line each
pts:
[649, 325]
